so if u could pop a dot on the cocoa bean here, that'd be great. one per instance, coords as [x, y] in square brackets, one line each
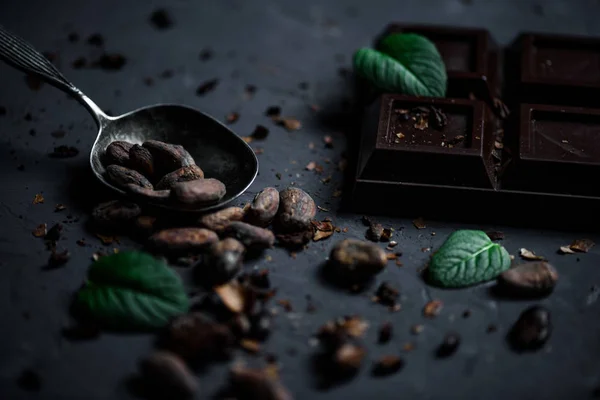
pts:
[115, 213]
[184, 174]
[532, 330]
[196, 338]
[141, 160]
[222, 263]
[252, 383]
[121, 176]
[294, 239]
[296, 210]
[537, 278]
[182, 240]
[117, 153]
[168, 374]
[263, 208]
[168, 157]
[198, 192]
[219, 220]
[154, 196]
[253, 237]
[356, 261]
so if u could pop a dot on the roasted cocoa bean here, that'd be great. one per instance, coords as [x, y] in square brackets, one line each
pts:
[168, 157]
[196, 338]
[115, 213]
[254, 384]
[168, 374]
[263, 208]
[375, 232]
[199, 192]
[296, 210]
[222, 263]
[121, 177]
[219, 220]
[532, 330]
[294, 240]
[140, 159]
[253, 237]
[184, 174]
[117, 153]
[356, 261]
[182, 240]
[154, 196]
[537, 278]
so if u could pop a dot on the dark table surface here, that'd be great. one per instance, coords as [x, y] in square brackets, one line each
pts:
[274, 45]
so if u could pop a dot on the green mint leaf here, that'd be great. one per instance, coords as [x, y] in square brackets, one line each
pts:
[406, 63]
[132, 291]
[467, 257]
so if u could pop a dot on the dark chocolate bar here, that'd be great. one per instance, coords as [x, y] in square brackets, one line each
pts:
[546, 154]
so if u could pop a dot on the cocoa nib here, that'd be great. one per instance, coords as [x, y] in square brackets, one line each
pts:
[387, 365]
[96, 40]
[207, 86]
[386, 294]
[448, 346]
[64, 152]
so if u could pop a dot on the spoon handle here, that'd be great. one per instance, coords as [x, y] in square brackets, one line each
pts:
[21, 55]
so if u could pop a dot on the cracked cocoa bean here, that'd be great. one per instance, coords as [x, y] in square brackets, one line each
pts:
[253, 237]
[183, 174]
[198, 192]
[182, 240]
[140, 159]
[296, 210]
[117, 153]
[168, 157]
[263, 208]
[168, 374]
[356, 261]
[115, 213]
[219, 220]
[222, 263]
[121, 177]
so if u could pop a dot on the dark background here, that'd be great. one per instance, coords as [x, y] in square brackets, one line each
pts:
[275, 46]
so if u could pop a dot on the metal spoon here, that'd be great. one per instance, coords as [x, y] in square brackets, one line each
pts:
[218, 150]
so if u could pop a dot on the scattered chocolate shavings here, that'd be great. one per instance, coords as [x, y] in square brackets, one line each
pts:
[291, 124]
[29, 381]
[161, 19]
[433, 308]
[110, 62]
[419, 223]
[232, 296]
[529, 255]
[207, 86]
[387, 365]
[386, 295]
[232, 117]
[311, 166]
[40, 230]
[58, 259]
[565, 250]
[323, 230]
[260, 132]
[495, 235]
[96, 40]
[421, 123]
[328, 140]
[273, 112]
[64, 152]
[500, 108]
[582, 245]
[79, 62]
[107, 239]
[250, 345]
[286, 304]
[386, 331]
[206, 54]
[439, 120]
[38, 198]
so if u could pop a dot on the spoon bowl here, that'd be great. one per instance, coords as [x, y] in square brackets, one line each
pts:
[217, 150]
